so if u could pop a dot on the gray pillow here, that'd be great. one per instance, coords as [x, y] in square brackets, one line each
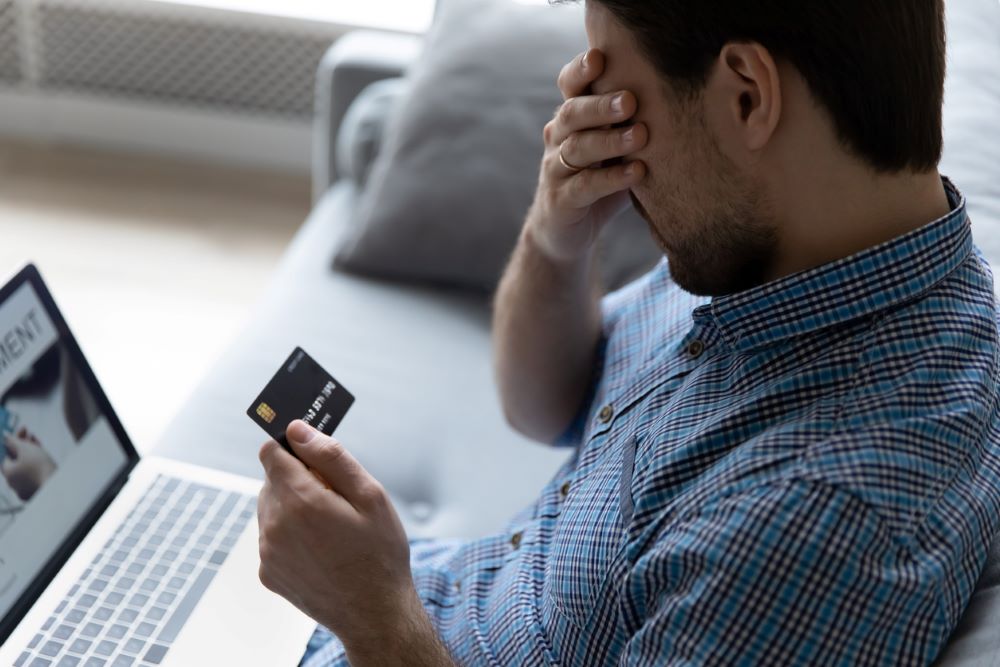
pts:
[458, 165]
[363, 129]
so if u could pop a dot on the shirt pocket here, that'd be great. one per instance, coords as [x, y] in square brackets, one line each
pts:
[590, 535]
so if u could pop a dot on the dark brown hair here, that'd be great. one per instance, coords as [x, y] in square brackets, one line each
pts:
[877, 66]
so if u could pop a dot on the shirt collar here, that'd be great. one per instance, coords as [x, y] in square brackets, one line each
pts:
[853, 287]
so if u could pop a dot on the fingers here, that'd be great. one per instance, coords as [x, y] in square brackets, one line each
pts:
[590, 112]
[333, 463]
[595, 146]
[592, 185]
[576, 77]
[282, 467]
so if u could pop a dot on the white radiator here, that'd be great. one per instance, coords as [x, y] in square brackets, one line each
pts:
[159, 76]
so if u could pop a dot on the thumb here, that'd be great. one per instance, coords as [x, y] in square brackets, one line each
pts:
[331, 461]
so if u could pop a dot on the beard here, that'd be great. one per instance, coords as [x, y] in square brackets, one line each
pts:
[717, 243]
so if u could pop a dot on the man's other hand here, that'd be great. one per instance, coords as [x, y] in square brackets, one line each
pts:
[331, 542]
[579, 190]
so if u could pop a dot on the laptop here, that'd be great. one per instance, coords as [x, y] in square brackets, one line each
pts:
[106, 559]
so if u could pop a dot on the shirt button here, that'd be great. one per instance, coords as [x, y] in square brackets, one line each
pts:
[696, 348]
[564, 489]
[607, 412]
[515, 540]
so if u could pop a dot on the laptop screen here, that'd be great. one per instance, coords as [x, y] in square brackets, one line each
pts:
[61, 448]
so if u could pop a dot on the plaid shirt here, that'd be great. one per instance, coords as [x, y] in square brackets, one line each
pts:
[804, 473]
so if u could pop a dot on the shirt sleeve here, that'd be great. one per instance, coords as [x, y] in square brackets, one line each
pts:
[797, 573]
[615, 308]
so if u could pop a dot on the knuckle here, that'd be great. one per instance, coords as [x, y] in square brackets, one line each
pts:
[577, 186]
[330, 451]
[549, 131]
[571, 145]
[372, 494]
[566, 113]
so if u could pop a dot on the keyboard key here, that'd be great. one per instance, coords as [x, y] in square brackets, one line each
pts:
[105, 648]
[63, 632]
[109, 571]
[34, 640]
[136, 568]
[139, 600]
[51, 648]
[48, 623]
[161, 569]
[117, 631]
[218, 557]
[80, 646]
[123, 661]
[98, 585]
[144, 630]
[176, 583]
[76, 616]
[150, 584]
[94, 661]
[68, 661]
[40, 662]
[87, 601]
[103, 613]
[91, 630]
[134, 646]
[186, 606]
[21, 659]
[127, 616]
[113, 598]
[124, 583]
[155, 613]
[155, 654]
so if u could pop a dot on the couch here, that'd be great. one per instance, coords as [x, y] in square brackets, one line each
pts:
[427, 422]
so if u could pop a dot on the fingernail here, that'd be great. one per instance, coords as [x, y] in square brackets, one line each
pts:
[630, 169]
[628, 135]
[300, 432]
[585, 61]
[618, 103]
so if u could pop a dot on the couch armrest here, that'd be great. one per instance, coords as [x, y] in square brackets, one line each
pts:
[352, 63]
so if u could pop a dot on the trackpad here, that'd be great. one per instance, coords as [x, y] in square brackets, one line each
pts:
[238, 621]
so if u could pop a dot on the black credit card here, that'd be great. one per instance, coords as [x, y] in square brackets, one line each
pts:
[301, 389]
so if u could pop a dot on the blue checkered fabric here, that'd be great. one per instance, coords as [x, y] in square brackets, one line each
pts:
[807, 473]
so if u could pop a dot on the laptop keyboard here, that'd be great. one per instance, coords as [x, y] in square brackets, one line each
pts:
[130, 604]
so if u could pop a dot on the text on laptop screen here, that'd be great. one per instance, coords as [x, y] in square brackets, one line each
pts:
[58, 453]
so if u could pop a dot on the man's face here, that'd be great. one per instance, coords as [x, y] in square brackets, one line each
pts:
[708, 215]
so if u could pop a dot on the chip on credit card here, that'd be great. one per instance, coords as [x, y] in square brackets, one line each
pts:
[301, 389]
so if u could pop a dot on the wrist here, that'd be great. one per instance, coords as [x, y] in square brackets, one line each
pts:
[402, 636]
[538, 249]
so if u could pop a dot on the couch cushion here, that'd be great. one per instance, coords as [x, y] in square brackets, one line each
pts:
[459, 163]
[426, 423]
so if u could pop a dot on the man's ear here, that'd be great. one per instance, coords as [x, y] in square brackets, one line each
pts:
[751, 83]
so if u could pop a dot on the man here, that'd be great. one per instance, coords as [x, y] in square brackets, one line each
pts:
[786, 436]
